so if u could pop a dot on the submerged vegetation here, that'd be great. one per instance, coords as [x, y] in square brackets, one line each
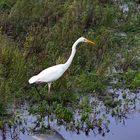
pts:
[38, 34]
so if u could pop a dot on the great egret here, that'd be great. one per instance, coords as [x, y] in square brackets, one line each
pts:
[53, 73]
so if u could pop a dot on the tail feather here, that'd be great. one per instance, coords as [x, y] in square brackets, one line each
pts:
[33, 80]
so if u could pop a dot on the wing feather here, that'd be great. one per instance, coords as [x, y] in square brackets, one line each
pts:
[51, 74]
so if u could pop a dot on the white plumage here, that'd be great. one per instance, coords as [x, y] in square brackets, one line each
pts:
[48, 75]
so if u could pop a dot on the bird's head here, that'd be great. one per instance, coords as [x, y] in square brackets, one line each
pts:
[83, 39]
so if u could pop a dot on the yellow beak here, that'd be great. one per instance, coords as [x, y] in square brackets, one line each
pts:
[91, 42]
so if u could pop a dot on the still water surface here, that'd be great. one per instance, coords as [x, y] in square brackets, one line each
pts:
[127, 128]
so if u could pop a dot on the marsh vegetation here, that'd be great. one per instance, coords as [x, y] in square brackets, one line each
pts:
[38, 34]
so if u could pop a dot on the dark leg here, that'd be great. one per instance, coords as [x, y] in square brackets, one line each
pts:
[38, 92]
[49, 103]
[48, 121]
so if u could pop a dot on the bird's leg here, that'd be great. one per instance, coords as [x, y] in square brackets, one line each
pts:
[14, 105]
[49, 103]
[38, 92]
[48, 121]
[49, 90]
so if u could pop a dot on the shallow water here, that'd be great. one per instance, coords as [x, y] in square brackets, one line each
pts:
[118, 131]
[124, 127]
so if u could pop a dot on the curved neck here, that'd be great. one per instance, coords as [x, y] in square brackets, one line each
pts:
[68, 63]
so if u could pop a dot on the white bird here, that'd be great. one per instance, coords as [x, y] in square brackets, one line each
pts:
[53, 73]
